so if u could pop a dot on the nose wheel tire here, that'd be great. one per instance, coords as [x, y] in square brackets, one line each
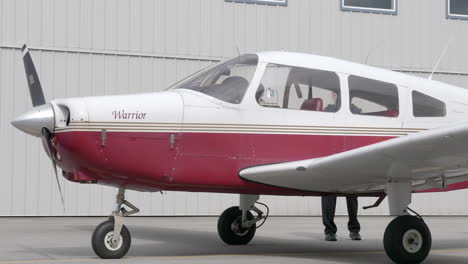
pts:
[231, 230]
[407, 239]
[102, 241]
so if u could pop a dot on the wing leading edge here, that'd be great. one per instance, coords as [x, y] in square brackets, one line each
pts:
[434, 158]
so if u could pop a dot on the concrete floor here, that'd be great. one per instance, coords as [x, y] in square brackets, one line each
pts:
[195, 240]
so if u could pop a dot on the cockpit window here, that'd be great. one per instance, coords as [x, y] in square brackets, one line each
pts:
[299, 88]
[227, 82]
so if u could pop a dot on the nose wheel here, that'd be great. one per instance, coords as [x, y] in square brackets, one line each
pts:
[111, 239]
[104, 244]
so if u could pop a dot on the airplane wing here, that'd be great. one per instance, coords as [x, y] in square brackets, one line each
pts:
[435, 158]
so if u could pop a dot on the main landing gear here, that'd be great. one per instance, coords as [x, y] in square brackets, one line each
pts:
[407, 238]
[237, 224]
[111, 239]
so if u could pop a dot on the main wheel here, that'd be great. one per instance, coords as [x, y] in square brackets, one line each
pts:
[102, 241]
[230, 229]
[407, 239]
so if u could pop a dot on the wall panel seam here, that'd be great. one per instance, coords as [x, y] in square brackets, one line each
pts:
[116, 53]
[193, 58]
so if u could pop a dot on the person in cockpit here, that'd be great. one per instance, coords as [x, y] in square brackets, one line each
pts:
[334, 107]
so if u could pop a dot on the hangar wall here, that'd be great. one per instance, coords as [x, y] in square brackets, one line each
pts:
[86, 48]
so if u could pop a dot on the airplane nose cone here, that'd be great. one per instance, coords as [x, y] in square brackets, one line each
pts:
[35, 119]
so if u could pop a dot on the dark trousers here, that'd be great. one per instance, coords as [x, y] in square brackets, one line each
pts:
[328, 214]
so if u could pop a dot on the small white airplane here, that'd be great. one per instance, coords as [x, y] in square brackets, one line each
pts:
[271, 123]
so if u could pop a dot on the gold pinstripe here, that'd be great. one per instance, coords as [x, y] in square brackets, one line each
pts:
[231, 128]
[192, 127]
[249, 131]
[89, 123]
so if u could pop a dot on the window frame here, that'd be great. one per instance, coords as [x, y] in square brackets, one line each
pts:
[393, 11]
[453, 16]
[261, 2]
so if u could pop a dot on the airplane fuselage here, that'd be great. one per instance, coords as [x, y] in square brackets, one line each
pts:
[186, 141]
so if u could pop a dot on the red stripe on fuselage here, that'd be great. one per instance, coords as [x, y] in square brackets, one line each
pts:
[200, 162]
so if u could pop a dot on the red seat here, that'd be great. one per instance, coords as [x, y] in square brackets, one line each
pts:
[388, 113]
[314, 104]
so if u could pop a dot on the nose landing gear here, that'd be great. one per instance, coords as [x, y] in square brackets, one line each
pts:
[105, 244]
[111, 239]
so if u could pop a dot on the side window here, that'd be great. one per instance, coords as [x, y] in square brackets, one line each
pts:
[299, 88]
[372, 97]
[426, 106]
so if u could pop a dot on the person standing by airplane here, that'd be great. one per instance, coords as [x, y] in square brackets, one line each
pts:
[328, 215]
[329, 202]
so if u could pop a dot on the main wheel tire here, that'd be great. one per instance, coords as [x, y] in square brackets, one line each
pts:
[101, 241]
[230, 230]
[407, 239]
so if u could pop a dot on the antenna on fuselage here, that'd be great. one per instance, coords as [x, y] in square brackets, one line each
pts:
[440, 58]
[372, 50]
[237, 48]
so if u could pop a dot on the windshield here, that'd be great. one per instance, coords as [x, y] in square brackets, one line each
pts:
[227, 82]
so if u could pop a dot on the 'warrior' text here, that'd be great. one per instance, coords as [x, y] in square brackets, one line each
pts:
[122, 115]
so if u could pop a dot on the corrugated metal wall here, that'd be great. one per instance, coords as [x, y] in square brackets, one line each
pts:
[86, 47]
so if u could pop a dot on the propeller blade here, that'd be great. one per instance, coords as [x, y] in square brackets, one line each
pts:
[58, 183]
[38, 115]
[35, 88]
[47, 143]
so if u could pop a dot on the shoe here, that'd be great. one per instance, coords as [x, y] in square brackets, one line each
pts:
[330, 237]
[355, 236]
